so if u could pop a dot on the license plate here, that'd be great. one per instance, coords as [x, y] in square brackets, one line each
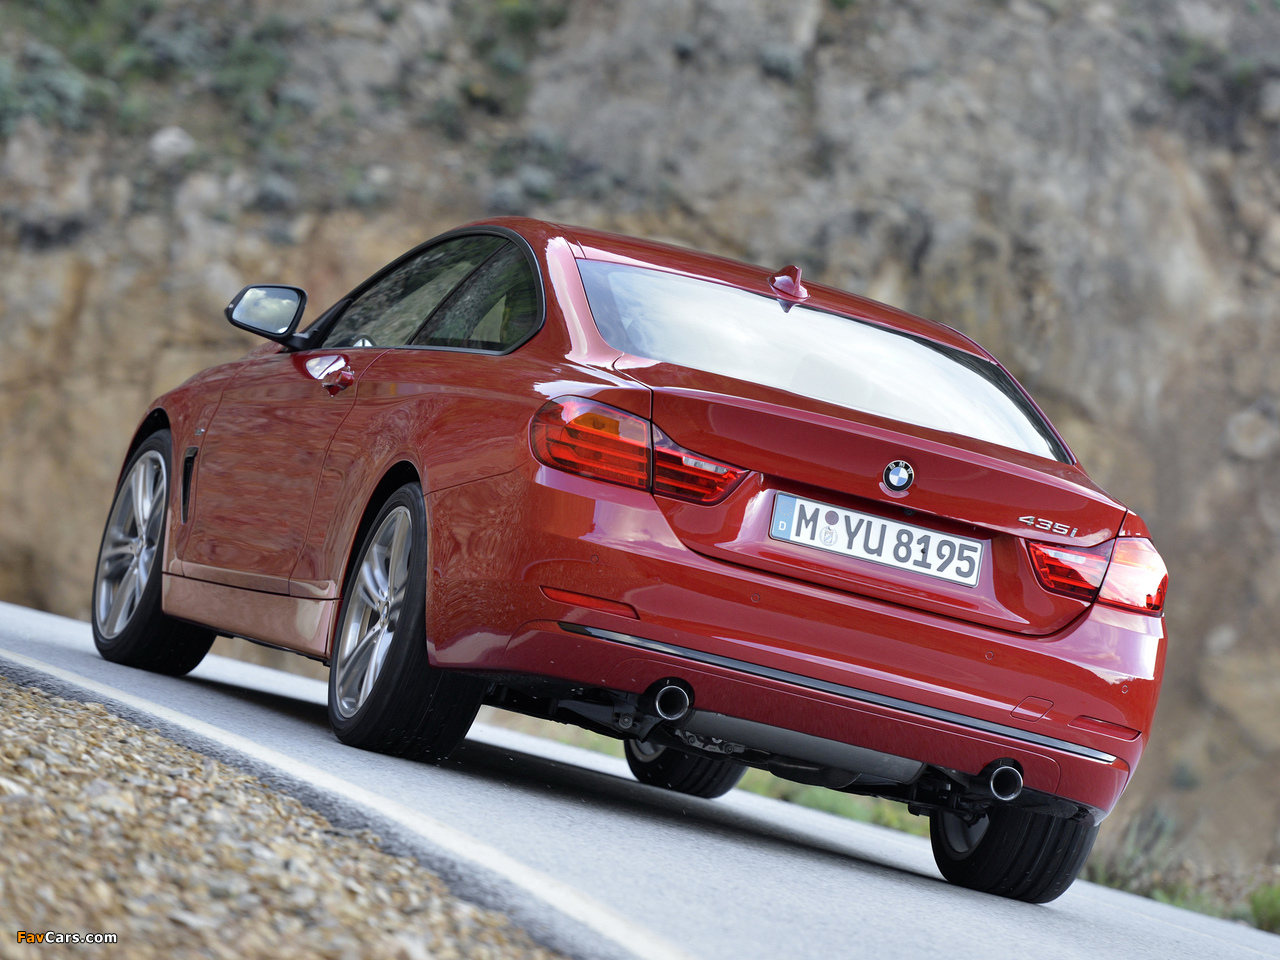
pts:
[864, 537]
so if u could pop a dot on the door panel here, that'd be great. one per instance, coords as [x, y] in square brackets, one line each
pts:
[260, 464]
[455, 416]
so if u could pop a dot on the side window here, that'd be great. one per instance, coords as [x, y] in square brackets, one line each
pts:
[494, 310]
[388, 313]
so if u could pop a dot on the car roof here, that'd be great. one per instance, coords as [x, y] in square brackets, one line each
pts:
[593, 244]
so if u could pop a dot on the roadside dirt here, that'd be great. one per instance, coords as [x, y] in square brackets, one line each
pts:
[108, 828]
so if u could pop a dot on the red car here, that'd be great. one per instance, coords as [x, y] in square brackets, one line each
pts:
[731, 517]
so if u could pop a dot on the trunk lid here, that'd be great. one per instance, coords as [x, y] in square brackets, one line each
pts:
[964, 490]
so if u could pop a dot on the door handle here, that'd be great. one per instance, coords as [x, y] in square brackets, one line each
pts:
[335, 381]
[334, 373]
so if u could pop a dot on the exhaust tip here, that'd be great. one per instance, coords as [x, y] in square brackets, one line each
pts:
[671, 702]
[1005, 782]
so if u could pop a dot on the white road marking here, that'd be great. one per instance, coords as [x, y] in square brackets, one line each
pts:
[572, 903]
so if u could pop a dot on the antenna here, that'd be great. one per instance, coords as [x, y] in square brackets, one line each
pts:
[787, 287]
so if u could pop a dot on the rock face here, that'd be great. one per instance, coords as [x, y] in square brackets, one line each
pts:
[1088, 189]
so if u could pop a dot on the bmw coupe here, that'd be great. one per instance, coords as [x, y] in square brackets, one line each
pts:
[729, 516]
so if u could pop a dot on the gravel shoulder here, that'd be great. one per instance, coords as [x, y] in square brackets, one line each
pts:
[107, 827]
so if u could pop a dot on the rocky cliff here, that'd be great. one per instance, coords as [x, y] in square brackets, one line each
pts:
[1090, 189]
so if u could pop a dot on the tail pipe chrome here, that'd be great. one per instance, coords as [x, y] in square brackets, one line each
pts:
[670, 700]
[1002, 780]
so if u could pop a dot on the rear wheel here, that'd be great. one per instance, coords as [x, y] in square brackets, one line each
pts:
[673, 770]
[1011, 852]
[384, 695]
[129, 626]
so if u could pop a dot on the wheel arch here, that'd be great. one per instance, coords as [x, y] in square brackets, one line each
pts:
[396, 476]
[156, 420]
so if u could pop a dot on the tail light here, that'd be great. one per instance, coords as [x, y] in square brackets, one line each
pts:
[681, 473]
[1129, 572]
[1137, 578]
[594, 440]
[1074, 571]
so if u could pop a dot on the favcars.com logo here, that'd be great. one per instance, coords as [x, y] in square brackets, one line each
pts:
[53, 936]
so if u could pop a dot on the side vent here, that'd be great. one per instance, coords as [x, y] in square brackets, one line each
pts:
[188, 468]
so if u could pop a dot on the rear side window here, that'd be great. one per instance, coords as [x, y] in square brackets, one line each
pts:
[495, 309]
[389, 312]
[861, 366]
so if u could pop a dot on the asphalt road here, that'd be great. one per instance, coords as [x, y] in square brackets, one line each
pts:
[588, 858]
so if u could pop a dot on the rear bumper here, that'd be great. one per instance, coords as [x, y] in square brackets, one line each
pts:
[784, 653]
[616, 661]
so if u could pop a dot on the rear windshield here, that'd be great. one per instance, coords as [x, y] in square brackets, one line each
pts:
[722, 330]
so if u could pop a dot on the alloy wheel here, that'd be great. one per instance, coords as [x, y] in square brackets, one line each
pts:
[129, 546]
[370, 620]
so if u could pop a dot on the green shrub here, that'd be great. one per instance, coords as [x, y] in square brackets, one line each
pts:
[1265, 906]
[104, 57]
[521, 17]
[504, 36]
[44, 85]
[133, 114]
[1193, 57]
[248, 75]
[94, 32]
[1141, 860]
[884, 813]
[447, 115]
[1185, 896]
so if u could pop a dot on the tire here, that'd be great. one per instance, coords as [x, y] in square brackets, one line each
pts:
[673, 770]
[384, 695]
[1012, 852]
[129, 627]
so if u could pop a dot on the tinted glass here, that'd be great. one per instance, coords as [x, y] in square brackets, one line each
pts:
[388, 313]
[494, 310]
[861, 366]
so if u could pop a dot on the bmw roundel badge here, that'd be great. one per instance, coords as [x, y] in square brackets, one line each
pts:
[898, 476]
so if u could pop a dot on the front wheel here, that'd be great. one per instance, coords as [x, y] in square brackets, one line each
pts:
[671, 769]
[1011, 852]
[384, 695]
[129, 625]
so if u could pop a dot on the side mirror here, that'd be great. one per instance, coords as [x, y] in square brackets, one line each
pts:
[270, 310]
